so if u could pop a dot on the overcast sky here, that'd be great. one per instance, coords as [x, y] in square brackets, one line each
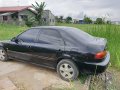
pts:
[76, 8]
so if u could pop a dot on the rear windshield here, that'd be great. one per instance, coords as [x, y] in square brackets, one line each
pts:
[79, 34]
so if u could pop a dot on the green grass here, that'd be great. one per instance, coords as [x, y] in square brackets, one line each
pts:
[9, 31]
[111, 32]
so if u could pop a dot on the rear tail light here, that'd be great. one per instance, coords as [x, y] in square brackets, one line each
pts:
[100, 55]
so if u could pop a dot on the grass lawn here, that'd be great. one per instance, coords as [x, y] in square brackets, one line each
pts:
[111, 32]
[9, 31]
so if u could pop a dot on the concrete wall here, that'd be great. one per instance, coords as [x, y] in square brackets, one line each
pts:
[27, 13]
[50, 18]
[9, 21]
[47, 16]
[19, 20]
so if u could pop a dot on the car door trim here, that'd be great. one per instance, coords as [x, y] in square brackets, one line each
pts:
[21, 53]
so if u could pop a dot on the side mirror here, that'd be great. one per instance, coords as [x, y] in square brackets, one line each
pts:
[14, 40]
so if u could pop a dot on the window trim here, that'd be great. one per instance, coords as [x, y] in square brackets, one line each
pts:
[5, 18]
[23, 17]
[64, 43]
[26, 31]
[52, 29]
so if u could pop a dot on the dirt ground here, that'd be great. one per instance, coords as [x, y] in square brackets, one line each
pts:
[15, 75]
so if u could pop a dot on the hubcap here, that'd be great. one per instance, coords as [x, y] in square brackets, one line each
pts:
[2, 55]
[66, 71]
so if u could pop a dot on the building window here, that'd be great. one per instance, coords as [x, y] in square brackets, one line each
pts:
[53, 20]
[24, 17]
[44, 19]
[14, 15]
[50, 20]
[5, 18]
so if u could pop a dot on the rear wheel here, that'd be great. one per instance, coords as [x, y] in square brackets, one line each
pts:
[67, 70]
[3, 55]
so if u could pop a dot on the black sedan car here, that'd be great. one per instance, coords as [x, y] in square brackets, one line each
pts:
[66, 49]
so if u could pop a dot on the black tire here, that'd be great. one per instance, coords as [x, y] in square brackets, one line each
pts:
[3, 55]
[71, 66]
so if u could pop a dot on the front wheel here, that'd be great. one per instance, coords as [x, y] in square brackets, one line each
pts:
[67, 70]
[3, 55]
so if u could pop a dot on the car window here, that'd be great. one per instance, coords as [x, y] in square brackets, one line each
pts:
[29, 35]
[49, 36]
[68, 39]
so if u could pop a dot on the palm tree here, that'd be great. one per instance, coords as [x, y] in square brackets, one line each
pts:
[39, 9]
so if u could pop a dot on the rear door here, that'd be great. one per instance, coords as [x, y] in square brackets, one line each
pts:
[48, 48]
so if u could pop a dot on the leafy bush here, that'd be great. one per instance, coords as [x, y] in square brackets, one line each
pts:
[30, 22]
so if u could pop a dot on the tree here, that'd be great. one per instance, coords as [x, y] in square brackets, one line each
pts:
[87, 20]
[68, 19]
[57, 18]
[39, 9]
[99, 21]
[61, 19]
[108, 22]
[30, 21]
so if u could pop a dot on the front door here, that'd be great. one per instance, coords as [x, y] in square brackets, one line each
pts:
[22, 48]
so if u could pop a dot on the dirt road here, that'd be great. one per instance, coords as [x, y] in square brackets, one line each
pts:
[23, 76]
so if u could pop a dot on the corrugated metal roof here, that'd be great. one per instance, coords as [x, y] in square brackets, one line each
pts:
[13, 9]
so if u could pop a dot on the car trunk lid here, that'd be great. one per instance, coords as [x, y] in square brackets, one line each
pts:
[97, 44]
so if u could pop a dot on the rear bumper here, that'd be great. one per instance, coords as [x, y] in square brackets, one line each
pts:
[97, 67]
[103, 63]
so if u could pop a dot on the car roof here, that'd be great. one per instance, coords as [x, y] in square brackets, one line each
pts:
[55, 27]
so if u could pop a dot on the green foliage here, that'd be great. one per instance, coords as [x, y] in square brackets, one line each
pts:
[99, 21]
[108, 22]
[39, 9]
[30, 22]
[87, 20]
[68, 19]
[59, 19]
[14, 16]
[10, 31]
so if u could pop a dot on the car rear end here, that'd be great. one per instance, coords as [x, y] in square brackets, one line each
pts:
[91, 53]
[100, 57]
[98, 67]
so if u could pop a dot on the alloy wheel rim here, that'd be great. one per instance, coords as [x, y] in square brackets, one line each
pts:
[2, 55]
[66, 71]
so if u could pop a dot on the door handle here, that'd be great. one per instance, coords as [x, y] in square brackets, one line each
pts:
[59, 50]
[29, 46]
